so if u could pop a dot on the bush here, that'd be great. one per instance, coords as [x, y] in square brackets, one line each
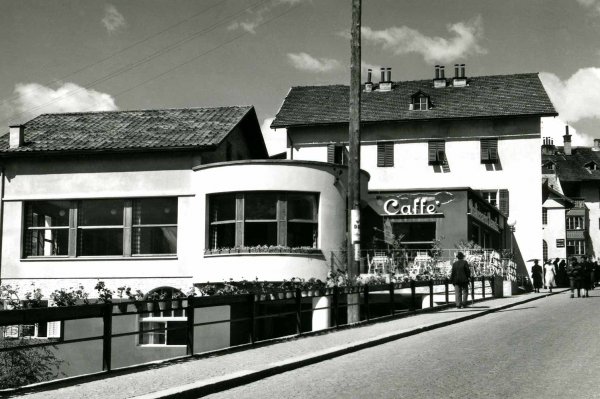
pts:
[25, 366]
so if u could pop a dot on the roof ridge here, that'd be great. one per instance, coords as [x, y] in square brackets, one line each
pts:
[143, 110]
[428, 80]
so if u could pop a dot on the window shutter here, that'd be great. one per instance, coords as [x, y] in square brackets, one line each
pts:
[330, 153]
[485, 153]
[436, 152]
[493, 150]
[504, 201]
[380, 154]
[489, 150]
[53, 329]
[389, 154]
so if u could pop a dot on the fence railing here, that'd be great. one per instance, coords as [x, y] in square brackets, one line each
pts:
[342, 306]
[413, 262]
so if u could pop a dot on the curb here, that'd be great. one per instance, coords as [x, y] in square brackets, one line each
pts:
[218, 384]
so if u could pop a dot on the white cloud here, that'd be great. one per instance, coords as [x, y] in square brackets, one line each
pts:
[555, 129]
[113, 20]
[257, 17]
[403, 40]
[593, 4]
[306, 62]
[33, 99]
[576, 98]
[276, 140]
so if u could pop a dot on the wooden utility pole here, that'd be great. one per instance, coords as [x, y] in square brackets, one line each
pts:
[354, 144]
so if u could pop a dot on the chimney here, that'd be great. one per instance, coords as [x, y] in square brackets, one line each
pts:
[459, 76]
[386, 79]
[369, 84]
[439, 80]
[16, 138]
[596, 145]
[548, 146]
[567, 141]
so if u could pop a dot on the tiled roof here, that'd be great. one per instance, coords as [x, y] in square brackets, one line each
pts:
[128, 130]
[484, 96]
[572, 167]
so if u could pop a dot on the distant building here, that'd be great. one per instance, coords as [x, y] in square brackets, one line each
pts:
[440, 134]
[573, 174]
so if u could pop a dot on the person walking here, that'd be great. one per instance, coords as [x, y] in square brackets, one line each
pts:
[550, 275]
[537, 276]
[574, 273]
[562, 277]
[586, 276]
[459, 277]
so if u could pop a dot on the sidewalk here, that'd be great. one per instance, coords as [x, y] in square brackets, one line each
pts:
[196, 377]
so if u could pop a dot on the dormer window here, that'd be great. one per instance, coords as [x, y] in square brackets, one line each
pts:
[591, 166]
[420, 102]
[549, 165]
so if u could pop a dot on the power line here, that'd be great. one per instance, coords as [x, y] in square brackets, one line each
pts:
[205, 53]
[135, 64]
[126, 48]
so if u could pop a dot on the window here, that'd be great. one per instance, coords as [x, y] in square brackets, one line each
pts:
[385, 154]
[154, 226]
[575, 223]
[337, 153]
[107, 227]
[437, 152]
[489, 150]
[417, 235]
[549, 165]
[47, 228]
[166, 326]
[575, 247]
[263, 218]
[544, 216]
[544, 249]
[419, 101]
[591, 166]
[49, 329]
[491, 196]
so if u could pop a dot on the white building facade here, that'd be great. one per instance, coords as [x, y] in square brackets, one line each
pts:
[479, 132]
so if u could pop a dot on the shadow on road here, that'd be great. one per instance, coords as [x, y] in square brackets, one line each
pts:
[514, 309]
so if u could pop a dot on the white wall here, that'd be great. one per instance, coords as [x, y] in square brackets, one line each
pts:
[326, 179]
[555, 229]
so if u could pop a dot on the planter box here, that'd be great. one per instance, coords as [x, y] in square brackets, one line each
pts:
[503, 288]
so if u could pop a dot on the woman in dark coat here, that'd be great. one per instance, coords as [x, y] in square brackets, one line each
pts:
[537, 275]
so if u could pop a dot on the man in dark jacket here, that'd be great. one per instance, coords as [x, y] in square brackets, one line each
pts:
[461, 273]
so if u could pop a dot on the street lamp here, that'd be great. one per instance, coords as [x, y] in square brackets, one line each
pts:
[511, 226]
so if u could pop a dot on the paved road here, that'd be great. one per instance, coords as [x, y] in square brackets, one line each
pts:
[543, 349]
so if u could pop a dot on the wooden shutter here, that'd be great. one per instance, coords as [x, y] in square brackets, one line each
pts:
[331, 153]
[437, 151]
[504, 201]
[380, 154]
[489, 150]
[385, 154]
[389, 154]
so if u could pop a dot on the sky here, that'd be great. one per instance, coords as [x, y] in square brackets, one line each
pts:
[92, 55]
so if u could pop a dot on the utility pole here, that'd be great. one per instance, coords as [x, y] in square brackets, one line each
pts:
[353, 254]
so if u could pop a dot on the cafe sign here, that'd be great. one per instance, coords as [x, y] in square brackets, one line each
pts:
[418, 206]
